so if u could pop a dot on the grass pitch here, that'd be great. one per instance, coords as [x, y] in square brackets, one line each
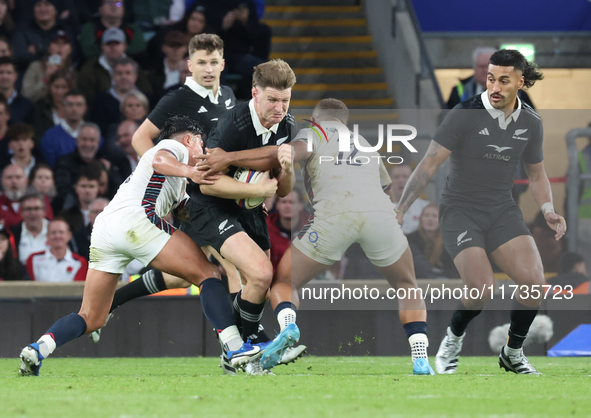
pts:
[312, 387]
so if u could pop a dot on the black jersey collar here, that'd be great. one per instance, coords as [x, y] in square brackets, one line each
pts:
[202, 91]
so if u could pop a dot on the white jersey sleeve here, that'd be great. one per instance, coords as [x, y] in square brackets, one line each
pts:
[150, 191]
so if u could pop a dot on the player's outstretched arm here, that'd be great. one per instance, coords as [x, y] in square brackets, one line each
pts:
[540, 189]
[435, 156]
[228, 188]
[260, 159]
[166, 164]
[142, 139]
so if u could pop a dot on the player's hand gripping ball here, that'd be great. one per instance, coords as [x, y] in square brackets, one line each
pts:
[245, 175]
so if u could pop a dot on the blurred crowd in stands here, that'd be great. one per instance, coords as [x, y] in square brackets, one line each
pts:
[77, 78]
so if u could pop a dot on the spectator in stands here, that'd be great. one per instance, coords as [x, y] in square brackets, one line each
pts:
[549, 248]
[476, 83]
[41, 181]
[4, 118]
[5, 47]
[168, 72]
[193, 23]
[283, 224]
[21, 108]
[96, 75]
[21, 145]
[61, 139]
[30, 235]
[135, 106]
[128, 158]
[37, 76]
[49, 110]
[247, 42]
[31, 40]
[571, 272]
[10, 267]
[69, 166]
[14, 186]
[429, 257]
[77, 205]
[81, 240]
[106, 106]
[185, 72]
[57, 263]
[400, 175]
[6, 22]
[111, 14]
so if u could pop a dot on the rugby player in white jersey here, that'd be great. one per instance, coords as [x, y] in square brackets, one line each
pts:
[132, 227]
[349, 205]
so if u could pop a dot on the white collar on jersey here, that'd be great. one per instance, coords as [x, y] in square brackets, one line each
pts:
[496, 113]
[258, 126]
[202, 91]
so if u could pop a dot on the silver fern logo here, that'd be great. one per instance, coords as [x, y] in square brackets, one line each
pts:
[461, 239]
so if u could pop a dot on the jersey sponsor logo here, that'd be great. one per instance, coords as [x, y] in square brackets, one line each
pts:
[282, 140]
[229, 104]
[223, 228]
[499, 149]
[484, 132]
[202, 109]
[498, 156]
[461, 239]
[520, 132]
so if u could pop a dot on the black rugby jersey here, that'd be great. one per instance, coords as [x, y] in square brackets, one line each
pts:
[486, 149]
[236, 131]
[186, 101]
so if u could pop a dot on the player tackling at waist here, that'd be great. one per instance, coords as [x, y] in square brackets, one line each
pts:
[132, 227]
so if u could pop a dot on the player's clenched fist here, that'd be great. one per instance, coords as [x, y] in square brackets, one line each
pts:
[285, 157]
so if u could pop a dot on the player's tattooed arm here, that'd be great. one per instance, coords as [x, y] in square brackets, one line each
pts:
[435, 156]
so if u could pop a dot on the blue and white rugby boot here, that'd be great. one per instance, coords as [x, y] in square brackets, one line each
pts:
[30, 360]
[274, 352]
[421, 366]
[246, 353]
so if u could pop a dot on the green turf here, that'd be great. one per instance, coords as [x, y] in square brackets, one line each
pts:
[312, 387]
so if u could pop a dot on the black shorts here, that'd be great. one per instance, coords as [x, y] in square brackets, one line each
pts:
[214, 225]
[489, 228]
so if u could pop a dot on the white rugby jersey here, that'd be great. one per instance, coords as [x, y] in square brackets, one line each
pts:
[145, 188]
[348, 182]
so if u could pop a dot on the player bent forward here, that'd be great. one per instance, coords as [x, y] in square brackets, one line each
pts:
[351, 207]
[131, 227]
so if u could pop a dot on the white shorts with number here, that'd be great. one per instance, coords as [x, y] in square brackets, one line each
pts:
[123, 236]
[326, 239]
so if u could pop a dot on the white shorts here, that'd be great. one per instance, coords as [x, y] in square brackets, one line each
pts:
[122, 236]
[326, 239]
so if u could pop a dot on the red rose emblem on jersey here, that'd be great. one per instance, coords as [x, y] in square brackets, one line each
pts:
[70, 269]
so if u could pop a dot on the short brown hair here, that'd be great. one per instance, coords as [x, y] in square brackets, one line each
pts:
[20, 130]
[275, 73]
[206, 42]
[333, 108]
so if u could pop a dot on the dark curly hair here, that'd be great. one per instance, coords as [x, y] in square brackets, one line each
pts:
[515, 59]
[180, 124]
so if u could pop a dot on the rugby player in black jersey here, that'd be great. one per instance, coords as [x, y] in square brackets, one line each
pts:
[485, 137]
[248, 136]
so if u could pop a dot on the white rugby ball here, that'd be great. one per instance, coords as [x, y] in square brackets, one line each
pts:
[245, 175]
